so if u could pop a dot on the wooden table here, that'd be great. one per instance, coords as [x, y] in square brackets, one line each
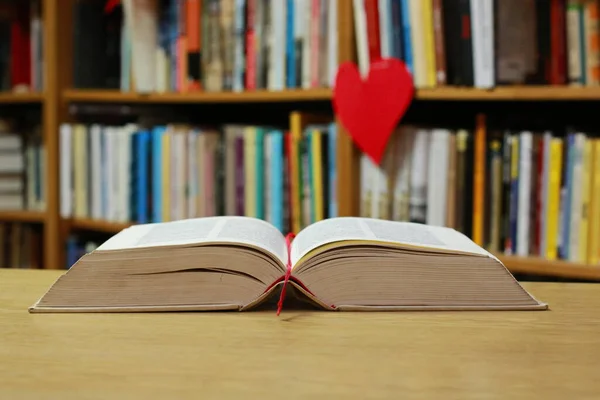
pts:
[302, 354]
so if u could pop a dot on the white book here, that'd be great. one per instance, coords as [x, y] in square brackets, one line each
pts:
[437, 180]
[385, 10]
[482, 28]
[96, 165]
[112, 171]
[362, 42]
[332, 41]
[524, 193]
[547, 139]
[162, 70]
[307, 21]
[278, 41]
[418, 177]
[576, 198]
[574, 44]
[141, 19]
[216, 264]
[106, 174]
[406, 137]
[66, 170]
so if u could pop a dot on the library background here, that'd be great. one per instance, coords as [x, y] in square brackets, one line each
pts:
[115, 113]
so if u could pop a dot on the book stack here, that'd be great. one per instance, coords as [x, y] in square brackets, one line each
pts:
[483, 43]
[210, 45]
[22, 160]
[517, 192]
[171, 172]
[21, 50]
[20, 246]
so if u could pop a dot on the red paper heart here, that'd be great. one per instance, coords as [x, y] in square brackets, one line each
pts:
[370, 109]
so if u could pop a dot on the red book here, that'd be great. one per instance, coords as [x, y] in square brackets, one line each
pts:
[372, 13]
[558, 52]
[250, 46]
[20, 54]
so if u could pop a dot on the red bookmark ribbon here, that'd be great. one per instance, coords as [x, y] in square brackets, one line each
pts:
[288, 271]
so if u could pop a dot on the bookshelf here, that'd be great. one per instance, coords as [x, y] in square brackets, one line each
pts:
[23, 216]
[21, 98]
[59, 93]
[261, 96]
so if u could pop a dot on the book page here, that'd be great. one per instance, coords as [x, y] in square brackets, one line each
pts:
[376, 230]
[235, 230]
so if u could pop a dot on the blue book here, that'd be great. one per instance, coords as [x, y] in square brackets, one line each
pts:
[331, 159]
[408, 57]
[134, 192]
[397, 28]
[142, 176]
[260, 168]
[239, 60]
[72, 252]
[104, 189]
[514, 203]
[582, 49]
[157, 134]
[276, 184]
[568, 187]
[290, 46]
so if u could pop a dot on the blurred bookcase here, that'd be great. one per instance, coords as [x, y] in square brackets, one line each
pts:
[60, 96]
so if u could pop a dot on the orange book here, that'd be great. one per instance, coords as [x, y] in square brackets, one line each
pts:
[193, 32]
[479, 180]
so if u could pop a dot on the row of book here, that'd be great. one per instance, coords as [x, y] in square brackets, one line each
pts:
[520, 193]
[22, 161]
[483, 43]
[20, 245]
[21, 46]
[210, 45]
[141, 174]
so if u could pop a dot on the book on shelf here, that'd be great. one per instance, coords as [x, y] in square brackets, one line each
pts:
[22, 166]
[21, 46]
[209, 45]
[140, 174]
[237, 263]
[524, 193]
[483, 43]
[20, 245]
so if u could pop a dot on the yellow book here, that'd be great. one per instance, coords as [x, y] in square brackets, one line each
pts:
[553, 194]
[250, 171]
[594, 215]
[80, 171]
[294, 178]
[585, 201]
[317, 170]
[428, 38]
[166, 175]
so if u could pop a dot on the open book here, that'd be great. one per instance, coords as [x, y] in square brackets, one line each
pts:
[235, 263]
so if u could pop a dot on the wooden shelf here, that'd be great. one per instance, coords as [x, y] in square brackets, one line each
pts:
[449, 93]
[105, 96]
[561, 269]
[511, 93]
[21, 98]
[22, 216]
[98, 225]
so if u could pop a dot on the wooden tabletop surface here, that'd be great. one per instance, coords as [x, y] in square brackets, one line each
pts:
[551, 354]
